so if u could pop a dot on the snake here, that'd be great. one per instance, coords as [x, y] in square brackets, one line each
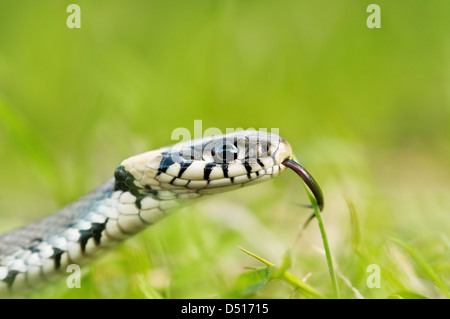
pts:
[144, 189]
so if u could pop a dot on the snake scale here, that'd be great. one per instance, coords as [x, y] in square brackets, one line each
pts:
[144, 189]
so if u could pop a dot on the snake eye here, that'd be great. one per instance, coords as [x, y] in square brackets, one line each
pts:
[224, 152]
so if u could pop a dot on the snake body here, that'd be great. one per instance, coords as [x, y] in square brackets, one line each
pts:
[144, 189]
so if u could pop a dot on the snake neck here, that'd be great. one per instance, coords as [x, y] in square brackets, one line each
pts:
[32, 255]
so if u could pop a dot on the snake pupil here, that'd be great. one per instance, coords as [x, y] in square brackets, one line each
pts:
[224, 152]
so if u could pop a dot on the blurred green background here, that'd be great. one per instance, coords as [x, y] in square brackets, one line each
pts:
[367, 112]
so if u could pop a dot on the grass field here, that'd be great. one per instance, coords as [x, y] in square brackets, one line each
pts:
[367, 112]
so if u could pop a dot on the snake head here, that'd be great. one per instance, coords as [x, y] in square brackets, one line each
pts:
[207, 165]
[211, 165]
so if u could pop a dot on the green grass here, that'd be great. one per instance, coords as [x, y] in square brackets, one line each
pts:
[366, 111]
[326, 246]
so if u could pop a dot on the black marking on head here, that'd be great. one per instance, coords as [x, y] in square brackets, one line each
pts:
[225, 169]
[139, 200]
[33, 245]
[184, 166]
[125, 181]
[260, 163]
[166, 162]
[208, 169]
[94, 232]
[232, 180]
[173, 180]
[149, 190]
[248, 168]
[57, 257]
[9, 279]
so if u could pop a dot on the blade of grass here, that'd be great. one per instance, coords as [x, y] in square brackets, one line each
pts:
[355, 229]
[251, 281]
[331, 270]
[148, 291]
[422, 264]
[287, 277]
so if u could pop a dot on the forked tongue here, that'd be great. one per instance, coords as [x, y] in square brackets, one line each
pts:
[310, 182]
